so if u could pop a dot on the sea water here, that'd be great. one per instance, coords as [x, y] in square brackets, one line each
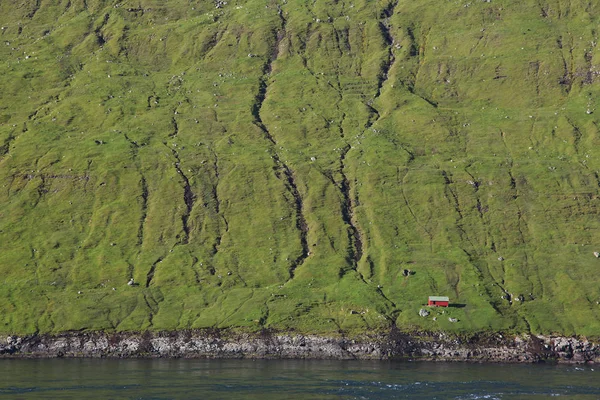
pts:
[291, 379]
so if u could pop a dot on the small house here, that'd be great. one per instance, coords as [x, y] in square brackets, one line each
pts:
[438, 301]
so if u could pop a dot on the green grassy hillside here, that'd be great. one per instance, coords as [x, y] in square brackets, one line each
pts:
[279, 164]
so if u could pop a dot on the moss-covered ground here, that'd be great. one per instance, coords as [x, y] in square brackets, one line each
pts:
[279, 164]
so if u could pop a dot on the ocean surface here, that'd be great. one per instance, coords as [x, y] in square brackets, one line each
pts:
[291, 379]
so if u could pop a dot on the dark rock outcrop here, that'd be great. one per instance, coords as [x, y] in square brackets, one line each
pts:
[487, 347]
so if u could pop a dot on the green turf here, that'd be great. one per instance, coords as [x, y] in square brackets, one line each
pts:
[279, 164]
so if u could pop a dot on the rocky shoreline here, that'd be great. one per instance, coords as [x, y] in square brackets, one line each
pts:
[487, 347]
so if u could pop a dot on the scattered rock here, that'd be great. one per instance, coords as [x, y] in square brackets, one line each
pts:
[423, 312]
[131, 282]
[596, 254]
[452, 319]
[500, 258]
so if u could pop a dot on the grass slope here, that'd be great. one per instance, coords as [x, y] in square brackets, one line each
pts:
[279, 164]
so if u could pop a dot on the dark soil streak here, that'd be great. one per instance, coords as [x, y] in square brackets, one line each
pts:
[98, 32]
[42, 189]
[86, 176]
[384, 27]
[188, 197]
[483, 276]
[534, 69]
[36, 7]
[300, 220]
[144, 207]
[396, 310]
[150, 274]
[577, 135]
[151, 312]
[288, 175]
[5, 148]
[215, 195]
[196, 274]
[266, 72]
[144, 190]
[130, 269]
[354, 236]
[175, 128]
[448, 189]
[257, 106]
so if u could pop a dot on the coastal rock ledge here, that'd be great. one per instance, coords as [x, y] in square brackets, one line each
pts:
[483, 347]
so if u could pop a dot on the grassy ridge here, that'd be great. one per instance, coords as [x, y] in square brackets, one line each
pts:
[263, 164]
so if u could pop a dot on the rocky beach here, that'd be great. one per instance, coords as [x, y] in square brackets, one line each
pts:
[488, 347]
